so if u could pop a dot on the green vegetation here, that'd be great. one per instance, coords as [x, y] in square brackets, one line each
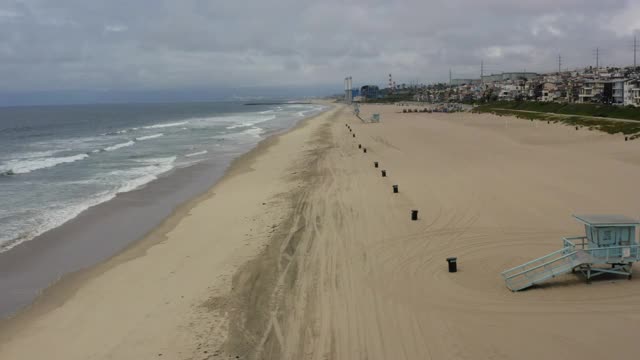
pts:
[582, 117]
[599, 110]
[391, 99]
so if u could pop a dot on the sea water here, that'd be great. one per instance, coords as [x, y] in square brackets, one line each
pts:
[56, 162]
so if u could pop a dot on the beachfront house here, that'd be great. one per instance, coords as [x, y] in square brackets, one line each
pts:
[618, 91]
[596, 91]
[632, 92]
[549, 92]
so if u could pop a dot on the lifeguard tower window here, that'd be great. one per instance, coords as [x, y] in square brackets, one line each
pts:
[608, 230]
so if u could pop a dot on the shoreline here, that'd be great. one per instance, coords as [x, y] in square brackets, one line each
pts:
[62, 296]
[304, 251]
[104, 222]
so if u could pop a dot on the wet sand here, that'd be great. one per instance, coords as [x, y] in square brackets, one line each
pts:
[97, 234]
[303, 251]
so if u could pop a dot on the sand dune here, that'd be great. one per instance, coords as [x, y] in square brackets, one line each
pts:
[304, 252]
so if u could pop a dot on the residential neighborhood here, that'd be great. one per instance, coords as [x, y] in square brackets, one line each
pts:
[603, 85]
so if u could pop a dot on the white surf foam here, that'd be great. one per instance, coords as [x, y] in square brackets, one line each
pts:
[22, 166]
[42, 220]
[140, 176]
[34, 154]
[197, 153]
[142, 138]
[119, 146]
[46, 219]
[159, 126]
[254, 131]
[244, 122]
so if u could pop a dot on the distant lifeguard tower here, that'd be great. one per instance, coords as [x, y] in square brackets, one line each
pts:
[610, 240]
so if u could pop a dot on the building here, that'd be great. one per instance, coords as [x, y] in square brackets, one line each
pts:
[618, 91]
[513, 76]
[632, 92]
[370, 92]
[591, 91]
[549, 92]
[460, 82]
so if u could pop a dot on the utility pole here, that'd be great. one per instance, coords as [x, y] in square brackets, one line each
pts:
[597, 58]
[482, 71]
[559, 64]
[635, 50]
[449, 76]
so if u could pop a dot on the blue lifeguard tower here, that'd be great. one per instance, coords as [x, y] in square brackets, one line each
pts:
[609, 246]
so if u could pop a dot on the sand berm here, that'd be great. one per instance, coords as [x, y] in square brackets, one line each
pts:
[302, 251]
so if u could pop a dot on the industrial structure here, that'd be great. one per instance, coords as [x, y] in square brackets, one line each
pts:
[609, 246]
[370, 92]
[348, 91]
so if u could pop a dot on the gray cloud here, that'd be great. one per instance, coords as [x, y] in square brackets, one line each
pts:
[163, 44]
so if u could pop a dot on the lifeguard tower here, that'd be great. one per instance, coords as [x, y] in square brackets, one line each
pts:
[608, 247]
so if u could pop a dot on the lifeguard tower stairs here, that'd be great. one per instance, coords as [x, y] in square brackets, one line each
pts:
[608, 247]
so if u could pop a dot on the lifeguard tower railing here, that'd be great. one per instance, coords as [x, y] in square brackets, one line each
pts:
[574, 255]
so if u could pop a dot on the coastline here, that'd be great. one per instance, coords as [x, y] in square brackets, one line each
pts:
[303, 251]
[104, 230]
[129, 247]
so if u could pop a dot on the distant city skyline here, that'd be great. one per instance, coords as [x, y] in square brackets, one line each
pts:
[100, 50]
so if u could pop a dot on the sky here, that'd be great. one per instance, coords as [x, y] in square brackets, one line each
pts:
[91, 50]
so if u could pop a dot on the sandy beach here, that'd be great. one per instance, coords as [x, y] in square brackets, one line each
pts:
[302, 251]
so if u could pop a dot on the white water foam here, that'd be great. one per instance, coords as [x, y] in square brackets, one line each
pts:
[251, 122]
[118, 146]
[21, 166]
[30, 154]
[197, 153]
[159, 126]
[254, 131]
[142, 138]
[139, 176]
[53, 216]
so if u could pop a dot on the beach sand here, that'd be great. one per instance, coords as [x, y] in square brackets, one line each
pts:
[302, 251]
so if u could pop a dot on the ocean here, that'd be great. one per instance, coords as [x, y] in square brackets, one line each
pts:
[78, 184]
[56, 162]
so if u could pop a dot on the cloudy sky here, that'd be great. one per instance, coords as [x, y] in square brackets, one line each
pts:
[49, 46]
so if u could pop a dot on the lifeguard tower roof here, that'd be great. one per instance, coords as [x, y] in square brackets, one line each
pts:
[599, 220]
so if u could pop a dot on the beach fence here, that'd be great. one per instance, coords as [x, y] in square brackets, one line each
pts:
[609, 246]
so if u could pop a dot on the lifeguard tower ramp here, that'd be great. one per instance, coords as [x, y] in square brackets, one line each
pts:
[610, 240]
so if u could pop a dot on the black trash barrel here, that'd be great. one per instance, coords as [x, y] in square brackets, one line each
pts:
[384, 173]
[453, 264]
[414, 215]
[354, 135]
[359, 146]
[395, 189]
[375, 164]
[364, 150]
